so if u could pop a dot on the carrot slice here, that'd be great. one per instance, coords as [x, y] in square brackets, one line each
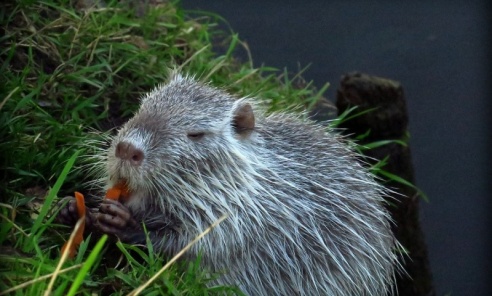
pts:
[79, 235]
[113, 193]
[79, 197]
[118, 191]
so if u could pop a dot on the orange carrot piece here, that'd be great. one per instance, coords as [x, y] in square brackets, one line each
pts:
[118, 191]
[113, 193]
[80, 204]
[79, 236]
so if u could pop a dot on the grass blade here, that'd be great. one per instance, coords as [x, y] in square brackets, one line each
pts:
[87, 265]
[52, 194]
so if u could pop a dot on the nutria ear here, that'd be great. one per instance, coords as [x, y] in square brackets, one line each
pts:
[243, 120]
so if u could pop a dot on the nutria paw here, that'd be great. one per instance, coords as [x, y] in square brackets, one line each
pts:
[69, 215]
[116, 219]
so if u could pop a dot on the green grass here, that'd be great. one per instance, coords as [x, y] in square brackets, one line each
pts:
[68, 72]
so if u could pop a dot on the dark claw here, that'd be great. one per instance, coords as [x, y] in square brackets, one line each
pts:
[68, 215]
[109, 221]
[115, 209]
[116, 219]
[112, 218]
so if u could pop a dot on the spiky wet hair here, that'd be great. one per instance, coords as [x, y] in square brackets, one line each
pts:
[305, 217]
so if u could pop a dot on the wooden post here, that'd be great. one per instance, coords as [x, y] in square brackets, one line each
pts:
[389, 121]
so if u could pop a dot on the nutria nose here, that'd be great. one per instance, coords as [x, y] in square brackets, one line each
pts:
[128, 151]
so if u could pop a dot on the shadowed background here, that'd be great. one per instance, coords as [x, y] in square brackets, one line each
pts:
[438, 51]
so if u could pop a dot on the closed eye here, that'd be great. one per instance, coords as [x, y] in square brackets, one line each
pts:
[195, 135]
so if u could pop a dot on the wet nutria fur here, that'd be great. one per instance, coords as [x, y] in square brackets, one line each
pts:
[304, 216]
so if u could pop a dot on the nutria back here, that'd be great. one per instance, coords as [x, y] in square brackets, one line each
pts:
[304, 216]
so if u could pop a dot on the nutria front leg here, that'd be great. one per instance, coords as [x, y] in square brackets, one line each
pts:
[116, 219]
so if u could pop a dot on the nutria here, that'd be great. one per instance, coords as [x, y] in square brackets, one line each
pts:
[305, 216]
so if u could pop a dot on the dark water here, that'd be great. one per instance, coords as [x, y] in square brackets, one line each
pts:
[438, 51]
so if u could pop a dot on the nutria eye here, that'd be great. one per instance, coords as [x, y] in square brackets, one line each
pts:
[196, 135]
